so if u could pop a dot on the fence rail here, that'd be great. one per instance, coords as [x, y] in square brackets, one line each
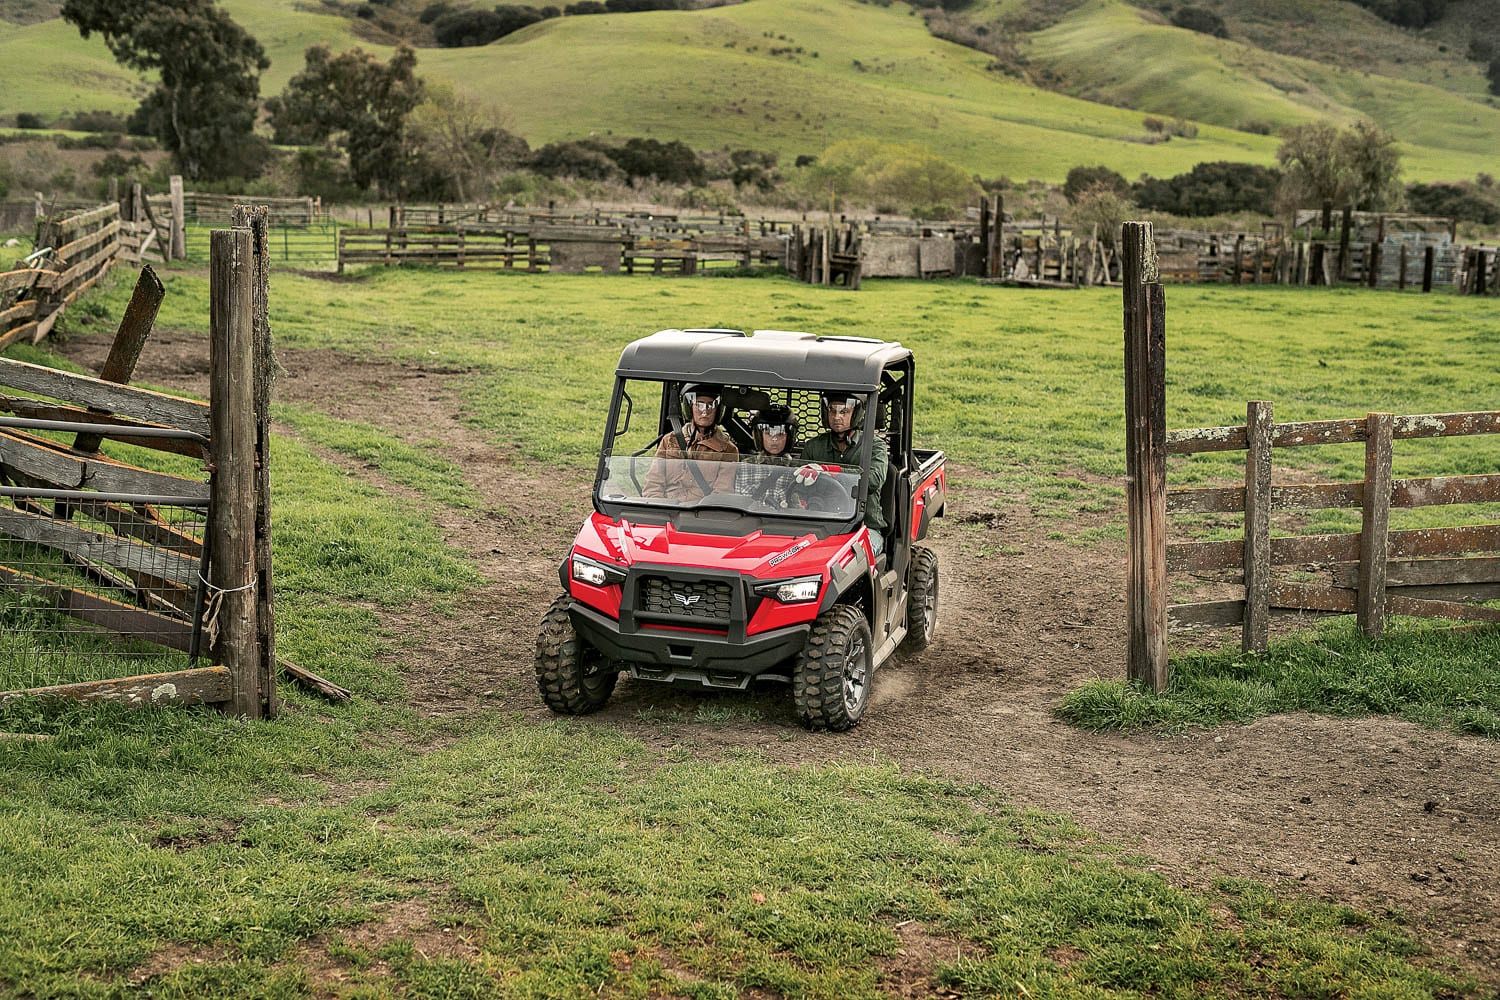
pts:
[74, 251]
[1442, 572]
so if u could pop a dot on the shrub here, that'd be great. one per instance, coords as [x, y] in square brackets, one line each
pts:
[1202, 21]
[585, 7]
[633, 6]
[671, 162]
[469, 28]
[97, 121]
[115, 165]
[1211, 189]
[1469, 203]
[582, 159]
[1153, 125]
[754, 168]
[1081, 179]
[26, 119]
[433, 11]
[94, 140]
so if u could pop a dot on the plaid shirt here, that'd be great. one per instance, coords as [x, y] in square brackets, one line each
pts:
[759, 472]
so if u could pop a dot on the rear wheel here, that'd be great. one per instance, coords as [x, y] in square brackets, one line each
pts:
[573, 677]
[831, 681]
[922, 599]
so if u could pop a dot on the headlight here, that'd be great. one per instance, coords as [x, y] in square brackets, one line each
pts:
[798, 591]
[596, 574]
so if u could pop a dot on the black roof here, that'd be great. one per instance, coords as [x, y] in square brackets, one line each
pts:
[765, 358]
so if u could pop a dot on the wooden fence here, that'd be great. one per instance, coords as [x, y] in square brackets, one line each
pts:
[1372, 573]
[74, 251]
[553, 248]
[203, 591]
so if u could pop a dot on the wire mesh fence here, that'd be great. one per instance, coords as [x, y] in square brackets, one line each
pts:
[97, 586]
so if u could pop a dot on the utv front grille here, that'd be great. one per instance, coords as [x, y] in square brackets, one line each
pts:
[706, 601]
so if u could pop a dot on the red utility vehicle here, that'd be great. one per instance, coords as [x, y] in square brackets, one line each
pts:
[718, 586]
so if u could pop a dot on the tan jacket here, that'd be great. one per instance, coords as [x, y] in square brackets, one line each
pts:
[713, 455]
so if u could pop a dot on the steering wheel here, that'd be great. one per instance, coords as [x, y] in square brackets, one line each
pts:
[825, 494]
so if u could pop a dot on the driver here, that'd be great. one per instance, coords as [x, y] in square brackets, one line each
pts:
[773, 428]
[709, 453]
[843, 415]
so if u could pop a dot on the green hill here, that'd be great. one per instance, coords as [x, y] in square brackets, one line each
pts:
[797, 75]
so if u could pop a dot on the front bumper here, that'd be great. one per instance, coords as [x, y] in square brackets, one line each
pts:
[713, 659]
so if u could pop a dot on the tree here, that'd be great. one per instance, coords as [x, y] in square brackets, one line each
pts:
[1211, 189]
[1374, 165]
[208, 69]
[1309, 156]
[461, 143]
[1081, 179]
[360, 103]
[1101, 209]
[923, 183]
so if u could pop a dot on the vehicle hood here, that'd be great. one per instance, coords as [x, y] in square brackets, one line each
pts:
[758, 554]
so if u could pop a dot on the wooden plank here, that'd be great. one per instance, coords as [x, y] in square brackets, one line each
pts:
[17, 335]
[196, 686]
[1319, 432]
[24, 309]
[36, 410]
[110, 550]
[1306, 597]
[128, 401]
[76, 249]
[126, 521]
[1427, 572]
[1375, 523]
[47, 461]
[1257, 549]
[77, 223]
[1420, 492]
[130, 338]
[122, 619]
[1145, 476]
[26, 277]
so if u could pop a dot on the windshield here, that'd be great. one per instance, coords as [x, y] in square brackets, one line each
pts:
[762, 451]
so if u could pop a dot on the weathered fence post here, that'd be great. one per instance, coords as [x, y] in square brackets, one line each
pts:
[1345, 226]
[1375, 524]
[1257, 560]
[1145, 456]
[1428, 259]
[231, 529]
[266, 368]
[178, 247]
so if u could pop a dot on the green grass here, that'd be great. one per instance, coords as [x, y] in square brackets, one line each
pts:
[566, 861]
[1024, 388]
[709, 78]
[500, 857]
[1432, 676]
[1116, 55]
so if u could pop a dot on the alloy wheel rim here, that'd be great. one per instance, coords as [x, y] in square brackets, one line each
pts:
[856, 677]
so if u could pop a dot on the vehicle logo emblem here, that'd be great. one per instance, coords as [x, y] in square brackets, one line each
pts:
[687, 600]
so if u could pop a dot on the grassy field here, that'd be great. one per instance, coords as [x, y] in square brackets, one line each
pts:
[179, 854]
[1118, 57]
[734, 75]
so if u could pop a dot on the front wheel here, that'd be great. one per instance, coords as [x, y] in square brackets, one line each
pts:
[831, 681]
[573, 677]
[922, 599]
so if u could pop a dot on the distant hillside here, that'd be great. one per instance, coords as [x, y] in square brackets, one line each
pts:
[794, 76]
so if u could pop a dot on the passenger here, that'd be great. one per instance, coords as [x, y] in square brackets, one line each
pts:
[773, 429]
[843, 413]
[699, 458]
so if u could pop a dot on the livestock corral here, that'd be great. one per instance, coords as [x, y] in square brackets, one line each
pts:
[434, 440]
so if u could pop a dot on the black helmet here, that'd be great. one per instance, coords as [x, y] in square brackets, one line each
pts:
[775, 415]
[854, 399]
[691, 391]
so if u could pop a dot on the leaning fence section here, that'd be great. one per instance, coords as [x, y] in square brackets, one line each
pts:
[74, 251]
[103, 541]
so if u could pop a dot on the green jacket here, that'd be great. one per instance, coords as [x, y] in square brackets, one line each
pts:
[822, 449]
